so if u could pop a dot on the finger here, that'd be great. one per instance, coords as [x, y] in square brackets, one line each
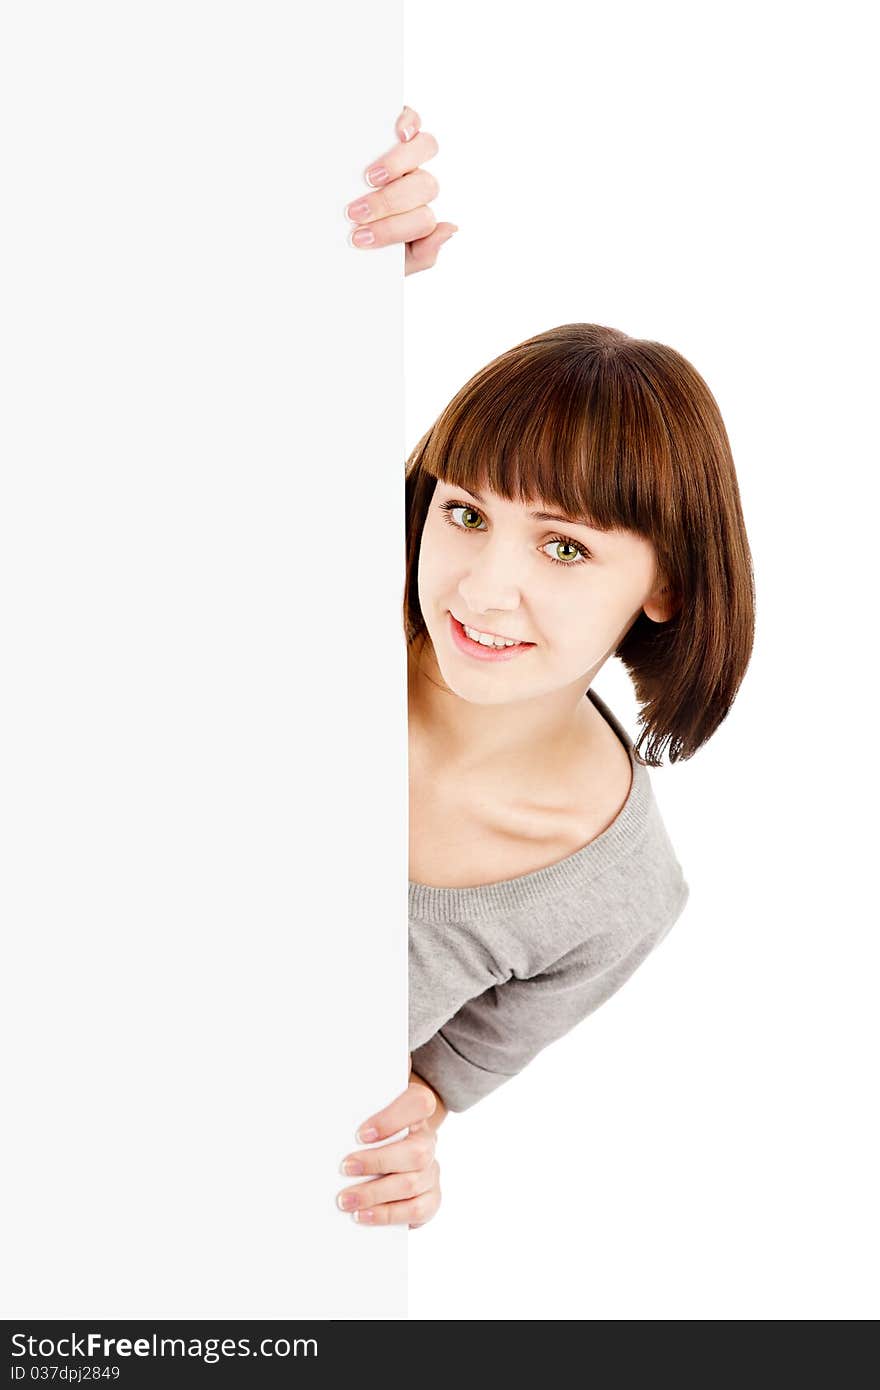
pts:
[422, 253]
[405, 194]
[408, 123]
[400, 159]
[366, 1196]
[430, 1208]
[406, 226]
[416, 1103]
[401, 1156]
[415, 1212]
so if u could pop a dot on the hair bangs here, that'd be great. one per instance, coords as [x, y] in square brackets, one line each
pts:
[589, 444]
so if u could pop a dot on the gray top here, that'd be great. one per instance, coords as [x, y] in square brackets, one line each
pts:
[498, 971]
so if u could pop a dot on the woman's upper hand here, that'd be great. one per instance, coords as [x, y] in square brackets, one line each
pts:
[397, 210]
[407, 1182]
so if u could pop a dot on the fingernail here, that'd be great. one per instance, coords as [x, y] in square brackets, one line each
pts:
[408, 132]
[378, 174]
[347, 1200]
[352, 1168]
[355, 211]
[365, 1136]
[363, 237]
[363, 1215]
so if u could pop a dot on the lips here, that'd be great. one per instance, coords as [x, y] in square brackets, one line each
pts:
[502, 636]
[484, 651]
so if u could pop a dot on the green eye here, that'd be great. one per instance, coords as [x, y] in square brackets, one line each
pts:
[447, 508]
[558, 541]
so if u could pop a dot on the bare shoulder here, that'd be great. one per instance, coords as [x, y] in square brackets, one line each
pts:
[601, 782]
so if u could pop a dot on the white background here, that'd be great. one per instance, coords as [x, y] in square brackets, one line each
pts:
[202, 440]
[202, 692]
[705, 1145]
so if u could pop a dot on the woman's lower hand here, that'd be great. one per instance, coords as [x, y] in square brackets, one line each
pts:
[398, 208]
[407, 1185]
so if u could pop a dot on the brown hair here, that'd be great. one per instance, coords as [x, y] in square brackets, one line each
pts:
[625, 433]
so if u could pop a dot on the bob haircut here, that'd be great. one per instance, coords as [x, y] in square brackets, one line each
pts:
[624, 433]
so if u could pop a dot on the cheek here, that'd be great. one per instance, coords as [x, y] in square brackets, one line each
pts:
[435, 562]
[577, 627]
[430, 576]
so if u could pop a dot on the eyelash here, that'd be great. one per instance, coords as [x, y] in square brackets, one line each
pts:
[451, 506]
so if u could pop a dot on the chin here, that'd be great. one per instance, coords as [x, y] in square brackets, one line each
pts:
[487, 685]
[480, 697]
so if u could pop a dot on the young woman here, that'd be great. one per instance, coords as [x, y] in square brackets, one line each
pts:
[541, 874]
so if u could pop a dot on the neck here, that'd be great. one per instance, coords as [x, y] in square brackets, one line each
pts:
[532, 738]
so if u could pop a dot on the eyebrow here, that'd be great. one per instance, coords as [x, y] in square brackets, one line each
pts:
[545, 516]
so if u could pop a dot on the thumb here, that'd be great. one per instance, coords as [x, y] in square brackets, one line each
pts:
[423, 250]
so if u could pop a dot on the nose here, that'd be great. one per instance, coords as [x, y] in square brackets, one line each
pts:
[490, 585]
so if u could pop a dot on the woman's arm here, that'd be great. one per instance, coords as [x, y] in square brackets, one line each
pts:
[495, 1035]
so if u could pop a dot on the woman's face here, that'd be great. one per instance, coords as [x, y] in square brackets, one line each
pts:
[569, 591]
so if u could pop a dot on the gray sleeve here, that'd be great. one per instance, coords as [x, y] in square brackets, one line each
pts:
[495, 1035]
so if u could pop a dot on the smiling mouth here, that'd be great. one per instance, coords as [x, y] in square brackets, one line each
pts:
[495, 641]
[501, 636]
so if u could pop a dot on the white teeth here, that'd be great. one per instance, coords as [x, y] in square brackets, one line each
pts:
[485, 640]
